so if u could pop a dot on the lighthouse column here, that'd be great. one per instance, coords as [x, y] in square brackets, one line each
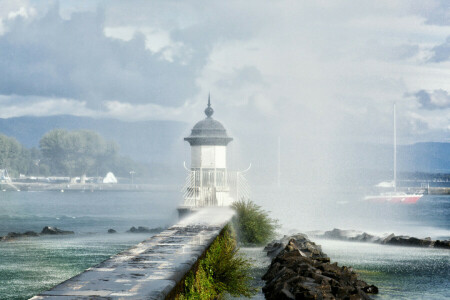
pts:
[208, 156]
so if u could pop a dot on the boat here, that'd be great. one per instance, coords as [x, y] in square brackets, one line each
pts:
[395, 196]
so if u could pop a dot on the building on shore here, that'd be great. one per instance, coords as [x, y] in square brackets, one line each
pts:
[209, 182]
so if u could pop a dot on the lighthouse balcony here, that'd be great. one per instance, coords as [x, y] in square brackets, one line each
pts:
[209, 187]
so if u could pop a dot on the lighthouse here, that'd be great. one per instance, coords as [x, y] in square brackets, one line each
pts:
[209, 182]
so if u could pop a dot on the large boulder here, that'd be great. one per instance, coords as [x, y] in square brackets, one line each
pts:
[364, 237]
[55, 230]
[408, 241]
[387, 239]
[442, 244]
[143, 229]
[15, 235]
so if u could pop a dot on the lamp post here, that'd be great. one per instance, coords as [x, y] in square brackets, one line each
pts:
[36, 163]
[132, 173]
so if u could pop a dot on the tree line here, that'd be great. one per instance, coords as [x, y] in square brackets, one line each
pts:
[65, 153]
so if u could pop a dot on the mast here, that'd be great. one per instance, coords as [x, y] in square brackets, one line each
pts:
[279, 163]
[395, 152]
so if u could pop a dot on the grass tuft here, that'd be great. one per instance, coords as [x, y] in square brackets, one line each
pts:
[221, 271]
[253, 225]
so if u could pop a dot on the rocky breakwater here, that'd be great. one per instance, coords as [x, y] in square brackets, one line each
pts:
[300, 270]
[46, 230]
[143, 229]
[391, 239]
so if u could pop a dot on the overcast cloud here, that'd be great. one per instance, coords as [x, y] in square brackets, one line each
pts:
[322, 70]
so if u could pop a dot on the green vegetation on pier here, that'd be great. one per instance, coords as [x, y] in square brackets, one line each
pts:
[222, 270]
[253, 225]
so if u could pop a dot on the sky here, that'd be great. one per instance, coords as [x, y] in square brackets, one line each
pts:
[310, 72]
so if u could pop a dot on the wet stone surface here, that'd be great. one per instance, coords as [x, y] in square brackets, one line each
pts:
[300, 270]
[152, 268]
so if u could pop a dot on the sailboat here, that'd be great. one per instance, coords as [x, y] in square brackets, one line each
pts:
[395, 196]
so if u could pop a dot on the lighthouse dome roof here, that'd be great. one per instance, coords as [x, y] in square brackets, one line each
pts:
[208, 131]
[209, 127]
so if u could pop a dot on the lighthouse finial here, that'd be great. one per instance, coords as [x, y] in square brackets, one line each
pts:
[209, 111]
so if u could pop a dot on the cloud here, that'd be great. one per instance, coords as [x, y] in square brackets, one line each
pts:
[241, 77]
[436, 12]
[328, 70]
[441, 52]
[12, 106]
[23, 12]
[315, 74]
[437, 99]
[53, 57]
[127, 111]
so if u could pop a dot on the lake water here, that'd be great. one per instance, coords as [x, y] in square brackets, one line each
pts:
[29, 266]
[399, 272]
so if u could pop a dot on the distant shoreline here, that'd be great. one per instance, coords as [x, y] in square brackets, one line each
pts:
[88, 187]
[116, 187]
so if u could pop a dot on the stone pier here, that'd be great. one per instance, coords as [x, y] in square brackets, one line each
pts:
[151, 269]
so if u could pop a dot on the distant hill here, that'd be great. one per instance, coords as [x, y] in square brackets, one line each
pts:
[429, 157]
[160, 143]
[147, 141]
[424, 157]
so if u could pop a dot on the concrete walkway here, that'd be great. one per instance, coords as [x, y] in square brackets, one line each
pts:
[151, 269]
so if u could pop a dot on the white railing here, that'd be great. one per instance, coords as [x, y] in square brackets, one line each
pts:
[209, 187]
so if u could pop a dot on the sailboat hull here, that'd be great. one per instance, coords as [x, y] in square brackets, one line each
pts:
[395, 197]
[403, 199]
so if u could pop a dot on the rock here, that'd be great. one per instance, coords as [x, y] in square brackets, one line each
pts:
[388, 238]
[371, 289]
[54, 230]
[442, 244]
[392, 239]
[15, 235]
[142, 229]
[30, 233]
[408, 241]
[339, 234]
[300, 270]
[348, 235]
[11, 236]
[364, 237]
[273, 248]
[334, 234]
[111, 231]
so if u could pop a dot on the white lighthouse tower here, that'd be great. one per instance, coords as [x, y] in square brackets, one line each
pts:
[209, 182]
